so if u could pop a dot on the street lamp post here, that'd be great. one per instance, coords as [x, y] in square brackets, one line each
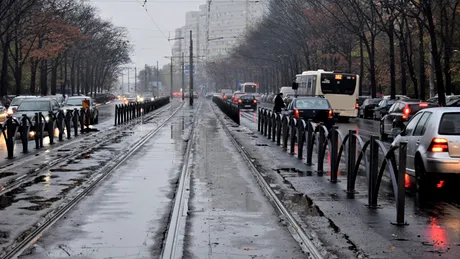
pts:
[191, 70]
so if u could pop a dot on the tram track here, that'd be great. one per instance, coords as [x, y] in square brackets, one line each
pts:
[169, 246]
[303, 238]
[38, 229]
[102, 136]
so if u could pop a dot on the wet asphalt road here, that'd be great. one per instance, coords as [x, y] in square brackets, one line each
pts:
[434, 226]
[106, 113]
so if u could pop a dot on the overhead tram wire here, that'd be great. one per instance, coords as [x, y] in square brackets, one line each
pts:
[151, 18]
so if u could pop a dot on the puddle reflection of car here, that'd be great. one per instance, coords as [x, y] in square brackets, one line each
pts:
[77, 102]
[247, 102]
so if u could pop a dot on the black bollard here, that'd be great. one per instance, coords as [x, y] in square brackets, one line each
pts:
[309, 142]
[351, 160]
[25, 133]
[50, 127]
[41, 126]
[334, 150]
[82, 120]
[36, 138]
[75, 118]
[11, 130]
[68, 118]
[374, 170]
[321, 151]
[116, 112]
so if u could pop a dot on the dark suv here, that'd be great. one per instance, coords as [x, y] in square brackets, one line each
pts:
[398, 115]
[318, 109]
[247, 102]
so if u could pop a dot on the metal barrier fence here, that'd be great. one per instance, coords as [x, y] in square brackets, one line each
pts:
[127, 112]
[230, 109]
[283, 130]
[40, 124]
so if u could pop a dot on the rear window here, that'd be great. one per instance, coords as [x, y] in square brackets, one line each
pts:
[414, 108]
[338, 84]
[247, 97]
[321, 104]
[450, 124]
[374, 101]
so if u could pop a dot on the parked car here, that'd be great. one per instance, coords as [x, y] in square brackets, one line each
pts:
[382, 108]
[398, 116]
[31, 106]
[433, 146]
[77, 102]
[17, 101]
[317, 109]
[366, 110]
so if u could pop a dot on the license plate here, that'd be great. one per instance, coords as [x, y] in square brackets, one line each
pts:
[247, 106]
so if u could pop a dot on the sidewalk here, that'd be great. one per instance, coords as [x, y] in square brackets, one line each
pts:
[229, 217]
[346, 226]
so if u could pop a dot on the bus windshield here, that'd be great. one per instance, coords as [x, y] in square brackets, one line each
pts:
[338, 84]
[250, 89]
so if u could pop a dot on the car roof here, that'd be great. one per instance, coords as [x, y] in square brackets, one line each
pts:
[79, 97]
[442, 109]
[43, 99]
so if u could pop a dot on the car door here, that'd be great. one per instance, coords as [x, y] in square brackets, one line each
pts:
[417, 135]
[407, 135]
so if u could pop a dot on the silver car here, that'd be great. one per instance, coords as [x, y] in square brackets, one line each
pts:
[433, 149]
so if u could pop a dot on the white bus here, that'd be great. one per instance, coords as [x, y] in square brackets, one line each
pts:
[250, 88]
[341, 89]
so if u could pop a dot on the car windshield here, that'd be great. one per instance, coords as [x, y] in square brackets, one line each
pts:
[34, 105]
[75, 101]
[17, 101]
[321, 104]
[147, 94]
[450, 124]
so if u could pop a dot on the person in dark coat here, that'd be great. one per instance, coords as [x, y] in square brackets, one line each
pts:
[279, 103]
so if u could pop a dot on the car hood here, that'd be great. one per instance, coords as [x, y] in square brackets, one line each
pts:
[71, 107]
[30, 114]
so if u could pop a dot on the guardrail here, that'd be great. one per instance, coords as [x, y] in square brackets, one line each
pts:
[39, 124]
[130, 111]
[230, 109]
[285, 130]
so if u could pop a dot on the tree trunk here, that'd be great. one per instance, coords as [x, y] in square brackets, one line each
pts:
[361, 66]
[402, 56]
[54, 67]
[421, 53]
[33, 77]
[72, 77]
[43, 77]
[4, 72]
[391, 38]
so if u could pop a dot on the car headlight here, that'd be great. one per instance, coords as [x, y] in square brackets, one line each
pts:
[151, 99]
[47, 118]
[141, 99]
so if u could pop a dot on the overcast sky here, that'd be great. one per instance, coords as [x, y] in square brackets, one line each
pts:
[150, 45]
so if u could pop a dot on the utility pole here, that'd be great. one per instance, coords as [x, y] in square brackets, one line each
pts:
[183, 75]
[135, 80]
[171, 81]
[191, 70]
[129, 88]
[145, 78]
[158, 80]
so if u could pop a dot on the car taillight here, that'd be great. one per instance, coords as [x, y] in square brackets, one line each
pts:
[225, 97]
[296, 114]
[439, 145]
[423, 104]
[406, 112]
[356, 106]
[255, 101]
[239, 101]
[331, 114]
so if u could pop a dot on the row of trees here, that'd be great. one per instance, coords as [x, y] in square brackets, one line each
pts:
[397, 46]
[52, 46]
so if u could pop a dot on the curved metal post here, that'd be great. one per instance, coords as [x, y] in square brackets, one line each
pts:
[321, 143]
[351, 160]
[68, 119]
[25, 129]
[300, 138]
[285, 122]
[374, 170]
[273, 119]
[310, 142]
[401, 194]
[75, 118]
[334, 150]
[269, 122]
[259, 117]
[292, 127]
[278, 129]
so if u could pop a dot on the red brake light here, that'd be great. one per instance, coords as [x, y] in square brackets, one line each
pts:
[406, 112]
[439, 145]
[239, 100]
[423, 105]
[331, 114]
[255, 101]
[296, 114]
[356, 106]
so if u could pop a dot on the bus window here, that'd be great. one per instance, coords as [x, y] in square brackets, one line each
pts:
[330, 84]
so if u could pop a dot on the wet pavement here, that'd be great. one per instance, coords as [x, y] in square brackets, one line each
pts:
[229, 216]
[40, 194]
[126, 217]
[434, 225]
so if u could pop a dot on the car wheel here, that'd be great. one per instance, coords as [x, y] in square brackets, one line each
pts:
[422, 182]
[383, 136]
